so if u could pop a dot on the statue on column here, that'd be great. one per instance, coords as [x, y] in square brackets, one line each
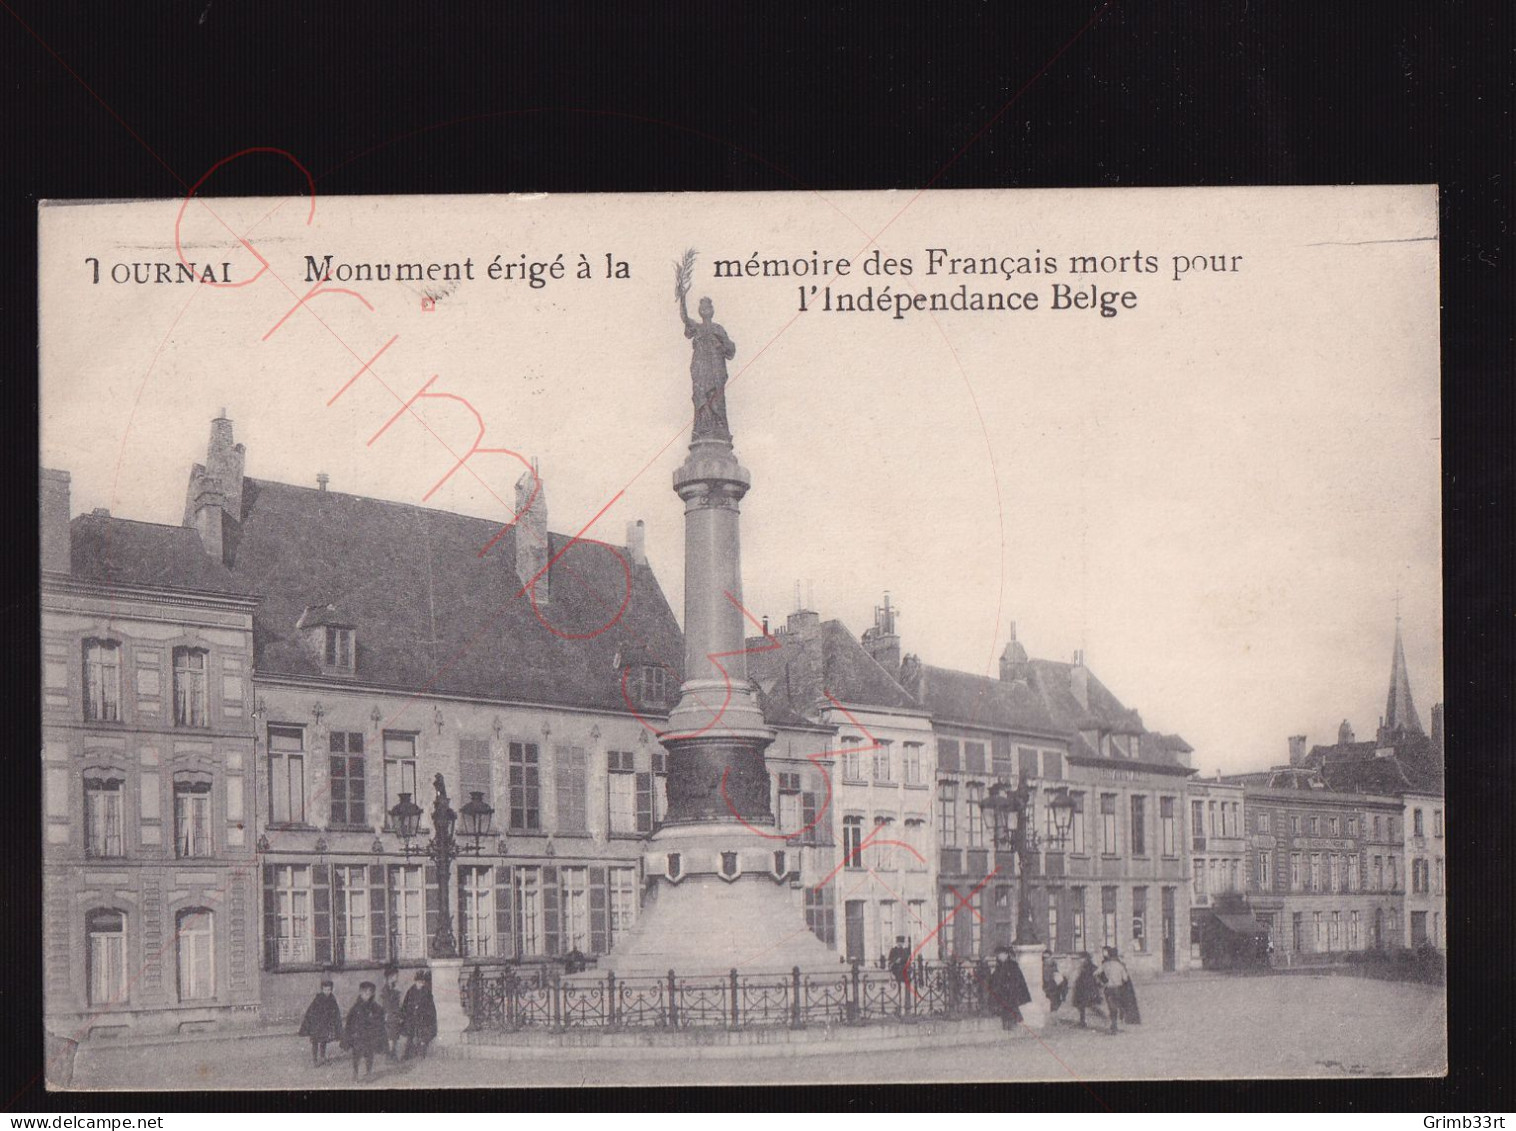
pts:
[711, 350]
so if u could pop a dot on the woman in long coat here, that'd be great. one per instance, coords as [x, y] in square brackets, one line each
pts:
[418, 1017]
[322, 1022]
[1086, 993]
[1008, 992]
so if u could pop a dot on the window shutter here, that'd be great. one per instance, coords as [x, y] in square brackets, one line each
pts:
[431, 900]
[644, 802]
[504, 944]
[378, 922]
[598, 898]
[339, 915]
[474, 768]
[1000, 753]
[321, 898]
[550, 910]
[270, 920]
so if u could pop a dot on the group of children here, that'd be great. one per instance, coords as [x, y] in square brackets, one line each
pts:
[373, 1025]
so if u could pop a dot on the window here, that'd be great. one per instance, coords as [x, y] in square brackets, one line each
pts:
[1295, 826]
[102, 681]
[1437, 822]
[1108, 917]
[189, 687]
[1297, 931]
[571, 774]
[947, 813]
[1378, 875]
[476, 910]
[1441, 877]
[1394, 877]
[1317, 924]
[105, 933]
[1139, 918]
[1295, 877]
[103, 821]
[408, 902]
[974, 760]
[974, 817]
[1199, 877]
[623, 884]
[526, 790]
[292, 914]
[1052, 765]
[1315, 826]
[1197, 825]
[912, 765]
[192, 816]
[649, 685]
[883, 758]
[1334, 931]
[1353, 936]
[339, 648]
[1211, 810]
[1076, 825]
[1352, 826]
[1314, 882]
[852, 842]
[1078, 917]
[286, 775]
[621, 789]
[1265, 880]
[1139, 826]
[852, 758]
[1332, 826]
[1332, 877]
[1376, 828]
[821, 914]
[1052, 917]
[528, 884]
[789, 803]
[947, 754]
[351, 897]
[1264, 823]
[1166, 819]
[348, 797]
[1416, 823]
[195, 940]
[1108, 825]
[399, 770]
[1026, 761]
[660, 799]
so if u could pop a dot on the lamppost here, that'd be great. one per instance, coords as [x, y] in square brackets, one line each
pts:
[443, 848]
[1009, 813]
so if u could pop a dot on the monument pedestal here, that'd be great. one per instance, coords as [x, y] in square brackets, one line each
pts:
[1034, 1014]
[447, 977]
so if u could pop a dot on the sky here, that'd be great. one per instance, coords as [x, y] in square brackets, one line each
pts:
[1217, 494]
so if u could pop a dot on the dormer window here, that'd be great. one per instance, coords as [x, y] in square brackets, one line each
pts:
[649, 685]
[339, 648]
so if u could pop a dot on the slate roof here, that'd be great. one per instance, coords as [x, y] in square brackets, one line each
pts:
[812, 661]
[430, 613]
[119, 551]
[1356, 767]
[983, 701]
[1052, 680]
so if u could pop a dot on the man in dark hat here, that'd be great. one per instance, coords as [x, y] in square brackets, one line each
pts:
[323, 1022]
[389, 1001]
[418, 1017]
[1008, 992]
[900, 958]
[365, 1029]
[1114, 977]
[1086, 991]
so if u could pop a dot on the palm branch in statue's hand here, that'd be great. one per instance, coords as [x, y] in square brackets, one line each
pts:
[683, 272]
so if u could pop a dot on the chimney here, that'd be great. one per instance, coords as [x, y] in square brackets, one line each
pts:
[801, 619]
[531, 532]
[636, 542]
[1344, 733]
[1297, 749]
[210, 515]
[322, 479]
[53, 503]
[224, 460]
[1437, 727]
[1013, 659]
[1079, 680]
[881, 641]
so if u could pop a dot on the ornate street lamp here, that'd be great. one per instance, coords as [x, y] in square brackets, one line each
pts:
[1008, 812]
[443, 848]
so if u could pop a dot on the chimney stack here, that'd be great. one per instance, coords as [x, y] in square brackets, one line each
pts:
[1013, 660]
[322, 479]
[1297, 749]
[1079, 680]
[636, 542]
[531, 532]
[217, 482]
[881, 641]
[210, 515]
[54, 505]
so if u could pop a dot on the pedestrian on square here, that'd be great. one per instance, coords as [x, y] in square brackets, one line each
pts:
[365, 1029]
[389, 1001]
[418, 1017]
[1086, 989]
[1054, 984]
[323, 1022]
[1113, 976]
[1008, 992]
[900, 958]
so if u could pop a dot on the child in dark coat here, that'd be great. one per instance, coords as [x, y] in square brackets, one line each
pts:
[323, 1022]
[418, 1017]
[365, 1029]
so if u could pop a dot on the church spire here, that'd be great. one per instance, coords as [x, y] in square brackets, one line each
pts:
[1399, 711]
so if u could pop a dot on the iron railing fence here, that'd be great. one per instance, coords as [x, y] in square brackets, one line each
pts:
[500, 999]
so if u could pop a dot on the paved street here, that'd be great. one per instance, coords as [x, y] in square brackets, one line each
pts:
[1194, 1026]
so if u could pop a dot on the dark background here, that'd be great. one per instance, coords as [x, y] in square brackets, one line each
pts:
[139, 100]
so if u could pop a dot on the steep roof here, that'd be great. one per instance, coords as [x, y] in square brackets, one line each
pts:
[119, 551]
[812, 661]
[431, 613]
[1399, 711]
[1411, 764]
[1053, 680]
[977, 700]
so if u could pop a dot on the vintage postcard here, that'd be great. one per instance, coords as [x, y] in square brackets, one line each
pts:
[873, 636]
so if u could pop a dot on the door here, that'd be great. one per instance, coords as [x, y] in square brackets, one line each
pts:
[854, 922]
[1168, 929]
